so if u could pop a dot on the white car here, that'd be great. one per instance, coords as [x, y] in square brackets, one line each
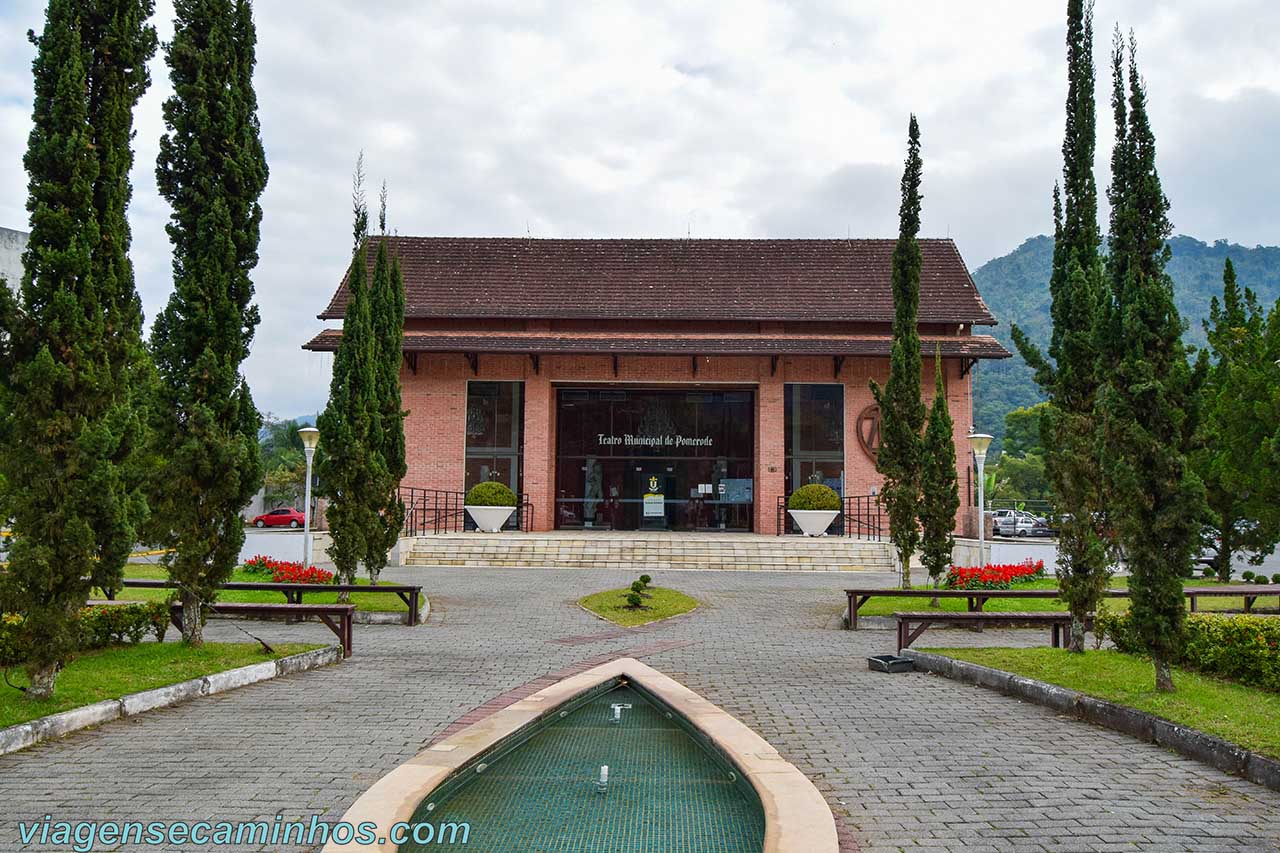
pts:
[1013, 522]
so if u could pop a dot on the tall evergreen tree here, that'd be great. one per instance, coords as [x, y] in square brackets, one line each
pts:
[354, 474]
[1149, 404]
[70, 346]
[902, 411]
[1069, 376]
[1236, 458]
[940, 493]
[212, 170]
[387, 309]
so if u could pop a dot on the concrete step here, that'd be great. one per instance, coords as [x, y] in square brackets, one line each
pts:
[658, 551]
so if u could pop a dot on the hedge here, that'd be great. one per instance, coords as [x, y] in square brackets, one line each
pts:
[490, 494]
[1240, 647]
[98, 627]
[814, 496]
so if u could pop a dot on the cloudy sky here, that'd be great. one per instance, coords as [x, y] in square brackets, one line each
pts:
[668, 118]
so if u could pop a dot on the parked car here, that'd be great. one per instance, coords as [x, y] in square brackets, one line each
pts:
[1015, 522]
[283, 517]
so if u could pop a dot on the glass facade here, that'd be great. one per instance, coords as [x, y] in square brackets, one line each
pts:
[660, 459]
[815, 436]
[495, 433]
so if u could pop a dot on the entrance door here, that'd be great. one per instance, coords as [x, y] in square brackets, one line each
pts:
[654, 459]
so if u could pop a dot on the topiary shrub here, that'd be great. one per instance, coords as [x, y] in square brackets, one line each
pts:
[814, 496]
[490, 494]
[646, 580]
[1275, 578]
[1247, 575]
[634, 600]
[1260, 580]
[637, 586]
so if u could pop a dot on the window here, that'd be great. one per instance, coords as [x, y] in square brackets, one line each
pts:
[815, 436]
[495, 433]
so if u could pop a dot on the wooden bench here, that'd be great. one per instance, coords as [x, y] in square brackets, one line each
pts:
[325, 612]
[977, 598]
[293, 592]
[1059, 623]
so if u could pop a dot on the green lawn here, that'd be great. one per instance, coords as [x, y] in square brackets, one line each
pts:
[660, 604]
[1243, 715]
[112, 673]
[884, 605]
[384, 602]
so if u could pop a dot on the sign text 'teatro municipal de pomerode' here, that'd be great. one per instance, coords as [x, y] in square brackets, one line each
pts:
[629, 440]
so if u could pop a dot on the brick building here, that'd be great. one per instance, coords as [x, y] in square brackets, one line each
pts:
[663, 384]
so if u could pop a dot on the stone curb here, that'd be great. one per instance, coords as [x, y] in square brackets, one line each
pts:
[1192, 743]
[30, 733]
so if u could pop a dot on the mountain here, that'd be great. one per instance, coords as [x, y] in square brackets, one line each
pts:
[1016, 289]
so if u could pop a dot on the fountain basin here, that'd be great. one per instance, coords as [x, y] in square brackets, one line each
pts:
[795, 816]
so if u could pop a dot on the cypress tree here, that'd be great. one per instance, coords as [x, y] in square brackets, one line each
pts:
[354, 474]
[940, 492]
[902, 412]
[1069, 376]
[212, 170]
[70, 343]
[1236, 457]
[387, 309]
[1149, 404]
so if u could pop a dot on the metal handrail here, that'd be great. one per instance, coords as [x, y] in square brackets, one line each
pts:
[861, 517]
[442, 511]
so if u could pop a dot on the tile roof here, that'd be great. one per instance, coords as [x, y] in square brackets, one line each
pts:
[836, 280]
[967, 346]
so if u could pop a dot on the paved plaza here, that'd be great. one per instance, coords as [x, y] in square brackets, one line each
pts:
[905, 761]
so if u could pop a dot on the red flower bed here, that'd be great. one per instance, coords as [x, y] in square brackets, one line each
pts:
[993, 576]
[295, 573]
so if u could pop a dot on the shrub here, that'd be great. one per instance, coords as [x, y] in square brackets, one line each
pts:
[1275, 578]
[1247, 575]
[296, 573]
[998, 576]
[1241, 647]
[96, 628]
[637, 586]
[1260, 579]
[490, 494]
[634, 599]
[814, 496]
[646, 580]
[1209, 573]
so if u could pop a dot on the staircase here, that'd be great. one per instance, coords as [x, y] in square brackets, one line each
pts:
[652, 551]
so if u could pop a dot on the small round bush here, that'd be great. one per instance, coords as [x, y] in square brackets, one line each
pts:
[1260, 579]
[637, 586]
[646, 580]
[814, 496]
[1275, 578]
[490, 494]
[1209, 572]
[1247, 575]
[634, 599]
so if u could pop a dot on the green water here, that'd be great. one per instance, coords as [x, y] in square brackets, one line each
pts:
[667, 793]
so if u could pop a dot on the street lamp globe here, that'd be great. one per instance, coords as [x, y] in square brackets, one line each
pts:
[980, 442]
[310, 437]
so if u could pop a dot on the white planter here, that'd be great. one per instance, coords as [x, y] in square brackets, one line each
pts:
[490, 518]
[814, 522]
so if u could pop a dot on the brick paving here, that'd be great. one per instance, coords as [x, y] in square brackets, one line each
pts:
[906, 761]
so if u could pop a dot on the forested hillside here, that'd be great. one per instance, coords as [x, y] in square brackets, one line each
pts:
[1016, 288]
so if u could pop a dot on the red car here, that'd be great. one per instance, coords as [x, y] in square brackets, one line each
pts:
[283, 517]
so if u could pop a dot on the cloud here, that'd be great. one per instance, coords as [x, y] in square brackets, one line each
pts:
[664, 118]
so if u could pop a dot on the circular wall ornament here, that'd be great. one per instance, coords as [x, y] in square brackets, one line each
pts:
[868, 430]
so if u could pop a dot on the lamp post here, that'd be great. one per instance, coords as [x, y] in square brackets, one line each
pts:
[310, 438]
[980, 441]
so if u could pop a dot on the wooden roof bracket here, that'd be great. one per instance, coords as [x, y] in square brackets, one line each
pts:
[411, 361]
[694, 362]
[615, 366]
[536, 361]
[473, 359]
[838, 364]
[773, 365]
[966, 365]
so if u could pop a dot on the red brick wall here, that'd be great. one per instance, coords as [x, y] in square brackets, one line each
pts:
[435, 429]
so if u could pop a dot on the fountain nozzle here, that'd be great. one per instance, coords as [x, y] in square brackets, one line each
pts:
[618, 708]
[603, 785]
